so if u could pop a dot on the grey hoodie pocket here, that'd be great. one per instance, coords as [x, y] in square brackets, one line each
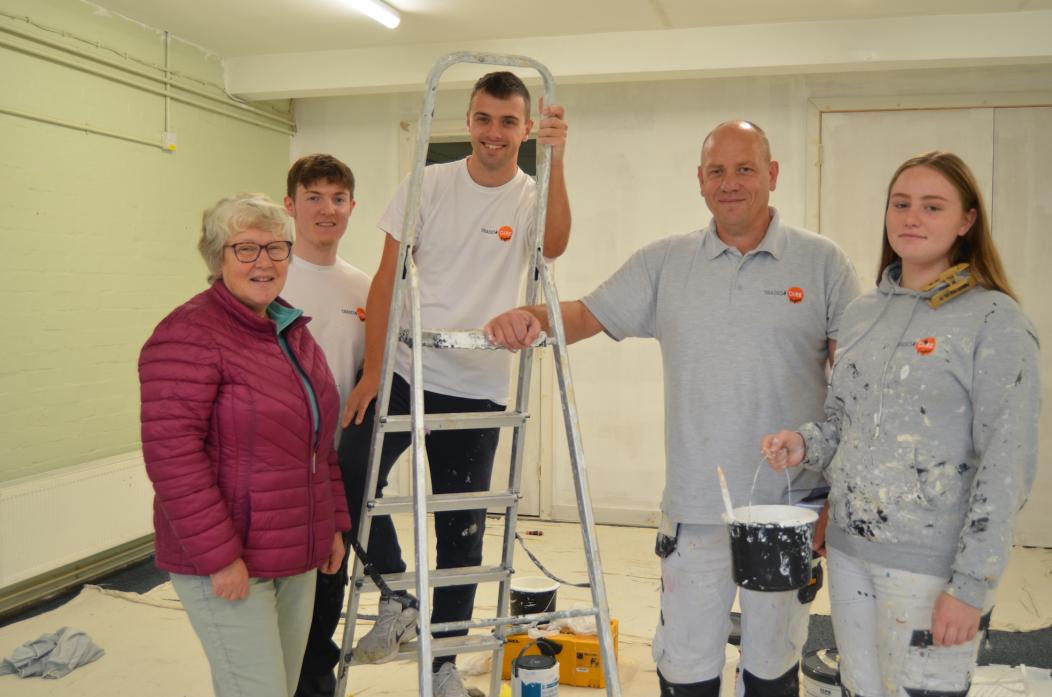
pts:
[939, 481]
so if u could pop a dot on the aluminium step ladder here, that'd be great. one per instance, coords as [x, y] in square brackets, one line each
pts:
[426, 647]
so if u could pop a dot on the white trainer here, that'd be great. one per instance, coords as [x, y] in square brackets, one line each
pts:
[394, 626]
[447, 682]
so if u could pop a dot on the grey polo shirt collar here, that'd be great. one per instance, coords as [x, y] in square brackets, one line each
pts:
[773, 241]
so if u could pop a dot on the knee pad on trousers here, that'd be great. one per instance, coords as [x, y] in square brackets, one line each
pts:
[785, 685]
[706, 688]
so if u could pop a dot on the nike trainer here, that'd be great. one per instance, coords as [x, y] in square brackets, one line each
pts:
[395, 624]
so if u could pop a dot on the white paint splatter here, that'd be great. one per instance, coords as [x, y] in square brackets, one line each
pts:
[904, 373]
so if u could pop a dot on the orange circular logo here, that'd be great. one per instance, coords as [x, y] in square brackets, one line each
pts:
[795, 294]
[361, 313]
[504, 232]
[925, 346]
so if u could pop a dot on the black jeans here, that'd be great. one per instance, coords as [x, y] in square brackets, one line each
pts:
[459, 461]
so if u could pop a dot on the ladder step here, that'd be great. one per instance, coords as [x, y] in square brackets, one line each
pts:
[449, 646]
[470, 339]
[444, 502]
[515, 620]
[453, 422]
[439, 578]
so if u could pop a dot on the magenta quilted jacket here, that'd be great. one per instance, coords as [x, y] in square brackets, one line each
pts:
[227, 436]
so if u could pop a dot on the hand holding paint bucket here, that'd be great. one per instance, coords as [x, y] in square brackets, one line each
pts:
[770, 545]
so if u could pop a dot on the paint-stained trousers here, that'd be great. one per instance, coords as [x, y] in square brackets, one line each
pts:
[254, 645]
[881, 618]
[697, 591]
[459, 461]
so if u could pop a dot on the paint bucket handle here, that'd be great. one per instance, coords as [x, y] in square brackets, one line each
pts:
[756, 476]
[545, 646]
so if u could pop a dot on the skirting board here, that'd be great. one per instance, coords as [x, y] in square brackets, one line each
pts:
[52, 522]
[610, 516]
[24, 595]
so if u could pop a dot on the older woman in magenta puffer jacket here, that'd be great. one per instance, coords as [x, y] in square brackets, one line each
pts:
[238, 413]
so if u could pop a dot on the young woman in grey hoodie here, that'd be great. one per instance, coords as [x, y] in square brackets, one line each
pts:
[929, 443]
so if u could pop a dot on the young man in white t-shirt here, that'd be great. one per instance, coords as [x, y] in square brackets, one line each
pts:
[320, 198]
[471, 254]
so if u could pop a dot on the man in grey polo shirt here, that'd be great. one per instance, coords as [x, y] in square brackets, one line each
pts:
[746, 312]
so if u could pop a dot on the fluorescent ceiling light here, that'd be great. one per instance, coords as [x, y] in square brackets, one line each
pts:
[377, 10]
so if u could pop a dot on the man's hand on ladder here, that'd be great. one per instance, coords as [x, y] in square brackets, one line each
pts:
[359, 400]
[552, 128]
[515, 329]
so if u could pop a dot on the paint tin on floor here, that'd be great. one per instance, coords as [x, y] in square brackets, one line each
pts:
[771, 547]
[536, 675]
[821, 673]
[533, 594]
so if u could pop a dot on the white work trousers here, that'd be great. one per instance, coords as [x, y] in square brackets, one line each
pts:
[876, 611]
[254, 645]
[697, 592]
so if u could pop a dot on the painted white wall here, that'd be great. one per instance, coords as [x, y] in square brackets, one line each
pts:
[631, 161]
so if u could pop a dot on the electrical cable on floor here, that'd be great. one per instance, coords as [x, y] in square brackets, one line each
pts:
[544, 569]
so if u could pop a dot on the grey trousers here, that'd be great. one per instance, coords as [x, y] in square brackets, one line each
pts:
[880, 615]
[255, 645]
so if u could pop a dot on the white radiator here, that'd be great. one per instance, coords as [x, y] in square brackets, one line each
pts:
[50, 520]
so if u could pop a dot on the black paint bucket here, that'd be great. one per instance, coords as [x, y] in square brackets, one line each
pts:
[533, 594]
[771, 547]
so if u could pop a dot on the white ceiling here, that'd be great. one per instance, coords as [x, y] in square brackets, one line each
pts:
[240, 28]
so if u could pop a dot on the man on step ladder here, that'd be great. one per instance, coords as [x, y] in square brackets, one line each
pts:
[472, 250]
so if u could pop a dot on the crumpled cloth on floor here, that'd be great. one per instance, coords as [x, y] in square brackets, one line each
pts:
[52, 655]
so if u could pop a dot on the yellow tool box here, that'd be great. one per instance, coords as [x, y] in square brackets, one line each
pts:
[579, 660]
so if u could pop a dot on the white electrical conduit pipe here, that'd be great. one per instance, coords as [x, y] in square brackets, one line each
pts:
[79, 127]
[290, 125]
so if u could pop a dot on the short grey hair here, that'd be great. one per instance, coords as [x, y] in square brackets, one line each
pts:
[234, 214]
[765, 145]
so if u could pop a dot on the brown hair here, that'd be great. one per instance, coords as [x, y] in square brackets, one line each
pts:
[975, 247]
[502, 85]
[311, 168]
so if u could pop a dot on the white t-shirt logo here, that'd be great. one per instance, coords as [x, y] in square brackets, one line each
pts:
[504, 232]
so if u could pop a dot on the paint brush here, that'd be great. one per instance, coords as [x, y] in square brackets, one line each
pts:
[726, 494]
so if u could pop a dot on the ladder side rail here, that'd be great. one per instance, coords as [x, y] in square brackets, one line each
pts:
[522, 390]
[380, 411]
[383, 396]
[518, 448]
[532, 619]
[580, 474]
[511, 513]
[419, 461]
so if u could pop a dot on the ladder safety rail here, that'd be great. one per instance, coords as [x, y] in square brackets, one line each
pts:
[419, 424]
[472, 339]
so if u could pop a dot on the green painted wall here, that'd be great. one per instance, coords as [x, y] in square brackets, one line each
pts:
[98, 234]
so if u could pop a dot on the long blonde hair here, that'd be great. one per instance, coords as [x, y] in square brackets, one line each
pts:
[976, 247]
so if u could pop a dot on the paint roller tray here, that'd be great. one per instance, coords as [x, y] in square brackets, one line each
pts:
[1010, 681]
[580, 664]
